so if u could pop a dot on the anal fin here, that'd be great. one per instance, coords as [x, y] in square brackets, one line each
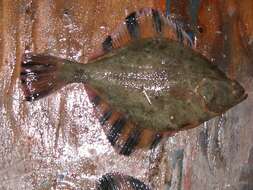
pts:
[122, 133]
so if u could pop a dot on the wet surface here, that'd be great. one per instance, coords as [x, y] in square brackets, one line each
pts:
[57, 141]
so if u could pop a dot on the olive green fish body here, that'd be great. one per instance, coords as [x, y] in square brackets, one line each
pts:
[162, 85]
[145, 81]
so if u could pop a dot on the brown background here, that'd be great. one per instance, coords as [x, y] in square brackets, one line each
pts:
[57, 141]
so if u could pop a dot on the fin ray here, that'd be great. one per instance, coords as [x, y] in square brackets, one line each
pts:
[40, 75]
[123, 134]
[142, 24]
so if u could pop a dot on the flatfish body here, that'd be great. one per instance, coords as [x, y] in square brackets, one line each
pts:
[146, 81]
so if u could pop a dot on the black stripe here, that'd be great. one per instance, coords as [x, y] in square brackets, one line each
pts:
[107, 183]
[32, 68]
[105, 117]
[96, 100]
[137, 184]
[23, 81]
[34, 62]
[157, 139]
[26, 74]
[23, 72]
[132, 25]
[39, 94]
[116, 129]
[131, 142]
[157, 21]
[31, 97]
[23, 78]
[107, 44]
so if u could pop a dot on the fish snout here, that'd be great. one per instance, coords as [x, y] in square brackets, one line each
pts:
[238, 91]
[220, 95]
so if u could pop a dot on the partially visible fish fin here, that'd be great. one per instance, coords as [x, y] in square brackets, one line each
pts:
[142, 24]
[40, 75]
[113, 181]
[121, 132]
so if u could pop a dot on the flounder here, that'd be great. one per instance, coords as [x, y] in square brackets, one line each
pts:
[145, 81]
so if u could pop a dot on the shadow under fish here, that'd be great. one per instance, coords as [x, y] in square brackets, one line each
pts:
[246, 175]
[177, 164]
[145, 81]
[210, 144]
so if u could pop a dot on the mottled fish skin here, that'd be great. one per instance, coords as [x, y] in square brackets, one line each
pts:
[163, 85]
[145, 81]
[116, 181]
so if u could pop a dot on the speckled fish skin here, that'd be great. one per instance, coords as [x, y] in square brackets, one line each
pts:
[162, 85]
[145, 81]
[116, 181]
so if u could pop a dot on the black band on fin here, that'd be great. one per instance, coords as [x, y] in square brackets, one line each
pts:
[118, 181]
[105, 117]
[157, 21]
[107, 44]
[114, 132]
[96, 100]
[106, 182]
[32, 97]
[137, 184]
[157, 139]
[37, 95]
[133, 26]
[131, 142]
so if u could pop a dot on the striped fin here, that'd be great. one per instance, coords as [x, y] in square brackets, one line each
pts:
[121, 132]
[143, 24]
[113, 181]
[40, 75]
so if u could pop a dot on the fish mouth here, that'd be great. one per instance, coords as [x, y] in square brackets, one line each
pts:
[239, 91]
[245, 96]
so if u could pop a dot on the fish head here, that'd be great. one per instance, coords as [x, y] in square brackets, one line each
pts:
[220, 94]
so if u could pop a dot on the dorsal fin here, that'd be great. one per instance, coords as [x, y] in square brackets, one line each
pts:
[142, 24]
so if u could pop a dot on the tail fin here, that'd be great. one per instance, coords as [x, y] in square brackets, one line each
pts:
[40, 75]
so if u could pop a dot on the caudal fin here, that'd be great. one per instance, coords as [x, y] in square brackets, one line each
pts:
[40, 75]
